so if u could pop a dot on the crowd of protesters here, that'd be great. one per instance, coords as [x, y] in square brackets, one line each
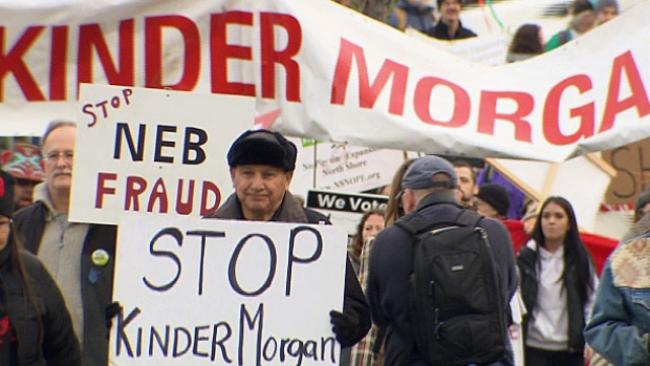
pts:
[56, 276]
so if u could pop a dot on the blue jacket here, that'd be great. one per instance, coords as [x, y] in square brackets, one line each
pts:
[620, 323]
[419, 17]
[391, 264]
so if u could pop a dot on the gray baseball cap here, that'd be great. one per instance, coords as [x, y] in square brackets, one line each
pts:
[420, 174]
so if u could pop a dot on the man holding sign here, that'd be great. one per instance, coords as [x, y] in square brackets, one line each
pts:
[261, 167]
[79, 256]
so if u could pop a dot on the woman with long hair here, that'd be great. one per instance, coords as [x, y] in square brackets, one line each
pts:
[371, 223]
[35, 327]
[557, 284]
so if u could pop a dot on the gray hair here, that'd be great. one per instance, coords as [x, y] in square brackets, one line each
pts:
[53, 126]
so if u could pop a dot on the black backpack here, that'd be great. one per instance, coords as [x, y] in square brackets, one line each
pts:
[457, 313]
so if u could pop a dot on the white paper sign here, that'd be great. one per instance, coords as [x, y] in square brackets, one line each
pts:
[342, 167]
[212, 292]
[153, 151]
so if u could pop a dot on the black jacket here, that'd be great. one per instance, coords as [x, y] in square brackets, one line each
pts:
[96, 280]
[441, 31]
[290, 210]
[45, 337]
[391, 266]
[527, 262]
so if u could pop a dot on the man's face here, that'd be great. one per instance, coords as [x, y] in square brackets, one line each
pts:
[24, 192]
[450, 10]
[260, 189]
[58, 152]
[466, 183]
[606, 14]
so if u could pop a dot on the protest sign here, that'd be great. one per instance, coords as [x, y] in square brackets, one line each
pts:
[632, 163]
[360, 82]
[205, 292]
[345, 209]
[341, 167]
[153, 151]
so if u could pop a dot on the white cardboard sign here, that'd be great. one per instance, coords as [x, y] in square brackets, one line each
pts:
[205, 292]
[153, 151]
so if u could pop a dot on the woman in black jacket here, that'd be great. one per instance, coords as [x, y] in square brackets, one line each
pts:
[557, 286]
[35, 327]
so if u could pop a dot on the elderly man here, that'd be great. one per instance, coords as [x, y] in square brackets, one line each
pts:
[79, 256]
[261, 167]
[414, 294]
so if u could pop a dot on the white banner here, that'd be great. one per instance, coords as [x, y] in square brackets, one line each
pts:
[157, 152]
[205, 292]
[359, 82]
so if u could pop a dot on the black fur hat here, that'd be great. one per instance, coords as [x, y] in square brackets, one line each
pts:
[263, 147]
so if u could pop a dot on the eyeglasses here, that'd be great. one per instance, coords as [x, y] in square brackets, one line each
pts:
[5, 223]
[54, 156]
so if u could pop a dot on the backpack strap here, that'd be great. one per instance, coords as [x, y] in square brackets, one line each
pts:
[468, 218]
[414, 224]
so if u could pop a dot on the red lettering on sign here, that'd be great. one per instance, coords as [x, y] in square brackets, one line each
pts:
[102, 189]
[135, 186]
[270, 56]
[221, 51]
[91, 38]
[58, 60]
[368, 93]
[551, 118]
[639, 98]
[158, 193]
[154, 51]
[12, 62]
[422, 102]
[488, 114]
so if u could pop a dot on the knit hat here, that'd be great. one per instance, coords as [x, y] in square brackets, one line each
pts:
[263, 147]
[496, 196]
[23, 162]
[6, 194]
[602, 4]
[419, 174]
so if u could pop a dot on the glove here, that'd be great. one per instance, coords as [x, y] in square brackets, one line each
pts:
[345, 327]
[111, 311]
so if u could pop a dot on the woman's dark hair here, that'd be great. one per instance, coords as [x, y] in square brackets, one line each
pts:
[357, 240]
[17, 266]
[394, 208]
[574, 249]
[526, 40]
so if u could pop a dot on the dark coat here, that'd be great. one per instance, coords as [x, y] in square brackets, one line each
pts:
[527, 262]
[96, 280]
[391, 266]
[291, 211]
[44, 337]
[441, 31]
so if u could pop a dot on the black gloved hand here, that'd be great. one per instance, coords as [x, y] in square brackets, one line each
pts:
[110, 312]
[345, 327]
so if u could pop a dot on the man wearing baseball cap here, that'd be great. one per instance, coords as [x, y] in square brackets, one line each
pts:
[261, 167]
[427, 196]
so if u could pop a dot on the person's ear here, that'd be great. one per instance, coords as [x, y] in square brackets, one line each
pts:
[408, 200]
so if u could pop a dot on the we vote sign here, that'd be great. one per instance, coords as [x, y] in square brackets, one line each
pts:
[212, 292]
